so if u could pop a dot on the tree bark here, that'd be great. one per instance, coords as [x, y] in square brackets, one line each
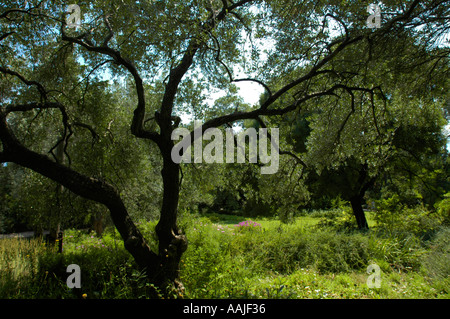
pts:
[358, 211]
[172, 242]
[363, 184]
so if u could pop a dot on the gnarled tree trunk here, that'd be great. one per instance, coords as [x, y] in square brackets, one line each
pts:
[92, 189]
[172, 242]
[358, 211]
[363, 184]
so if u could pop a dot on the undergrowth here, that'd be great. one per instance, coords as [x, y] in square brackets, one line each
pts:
[237, 258]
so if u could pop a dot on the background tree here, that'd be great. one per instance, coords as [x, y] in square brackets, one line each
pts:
[348, 150]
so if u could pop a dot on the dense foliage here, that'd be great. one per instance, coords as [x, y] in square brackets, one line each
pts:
[87, 115]
[230, 257]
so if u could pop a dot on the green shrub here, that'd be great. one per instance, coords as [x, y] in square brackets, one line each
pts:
[402, 251]
[281, 250]
[338, 219]
[437, 260]
[443, 209]
[206, 256]
[336, 252]
[393, 217]
[387, 214]
[284, 252]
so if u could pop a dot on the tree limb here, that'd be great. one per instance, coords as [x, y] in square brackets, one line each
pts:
[39, 86]
[87, 187]
[266, 87]
[31, 106]
[5, 35]
[313, 72]
[137, 125]
[94, 134]
[177, 73]
[110, 32]
[4, 157]
[281, 152]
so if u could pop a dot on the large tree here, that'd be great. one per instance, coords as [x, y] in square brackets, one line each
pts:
[183, 51]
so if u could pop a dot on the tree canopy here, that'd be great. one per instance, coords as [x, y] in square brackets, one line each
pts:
[92, 107]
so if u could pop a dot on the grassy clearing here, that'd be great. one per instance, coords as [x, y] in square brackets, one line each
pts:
[259, 259]
[299, 260]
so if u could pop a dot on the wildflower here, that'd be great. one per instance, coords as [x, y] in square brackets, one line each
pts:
[248, 224]
[84, 296]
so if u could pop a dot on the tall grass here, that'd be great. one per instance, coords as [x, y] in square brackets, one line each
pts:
[18, 263]
[436, 260]
[266, 262]
[237, 259]
[28, 269]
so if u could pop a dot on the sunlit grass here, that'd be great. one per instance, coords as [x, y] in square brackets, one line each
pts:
[261, 258]
[19, 256]
[18, 262]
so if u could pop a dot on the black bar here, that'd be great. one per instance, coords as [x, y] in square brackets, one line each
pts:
[230, 308]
